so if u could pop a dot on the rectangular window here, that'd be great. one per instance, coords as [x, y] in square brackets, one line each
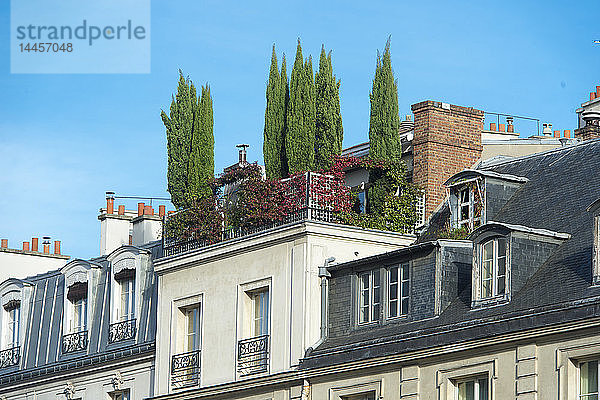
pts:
[12, 336]
[370, 296]
[121, 395]
[260, 312]
[398, 290]
[493, 268]
[362, 201]
[79, 315]
[363, 396]
[192, 328]
[475, 389]
[588, 380]
[127, 301]
[464, 208]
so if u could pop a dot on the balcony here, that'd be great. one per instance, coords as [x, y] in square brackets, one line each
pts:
[73, 342]
[185, 370]
[120, 331]
[253, 355]
[10, 357]
[312, 200]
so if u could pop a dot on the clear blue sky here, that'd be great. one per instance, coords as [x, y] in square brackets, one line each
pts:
[66, 139]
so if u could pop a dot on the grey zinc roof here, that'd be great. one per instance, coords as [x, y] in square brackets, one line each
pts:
[561, 184]
[42, 320]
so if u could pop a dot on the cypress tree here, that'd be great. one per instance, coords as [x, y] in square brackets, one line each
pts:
[384, 140]
[385, 121]
[300, 133]
[202, 165]
[328, 126]
[182, 125]
[274, 131]
[285, 90]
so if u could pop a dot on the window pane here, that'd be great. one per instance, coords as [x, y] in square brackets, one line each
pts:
[501, 285]
[393, 275]
[466, 391]
[588, 373]
[501, 247]
[404, 306]
[483, 389]
[486, 288]
[464, 212]
[488, 252]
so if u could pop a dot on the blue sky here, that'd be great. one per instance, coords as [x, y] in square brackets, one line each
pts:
[66, 139]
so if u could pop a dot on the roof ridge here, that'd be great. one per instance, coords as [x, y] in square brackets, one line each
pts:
[542, 153]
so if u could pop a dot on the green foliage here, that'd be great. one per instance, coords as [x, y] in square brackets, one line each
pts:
[301, 114]
[275, 115]
[384, 121]
[397, 197]
[328, 124]
[454, 233]
[190, 143]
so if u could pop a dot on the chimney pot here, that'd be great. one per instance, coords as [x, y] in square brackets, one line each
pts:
[161, 211]
[148, 210]
[567, 133]
[597, 91]
[242, 153]
[493, 126]
[556, 134]
[57, 247]
[25, 246]
[34, 244]
[110, 202]
[4, 244]
[502, 128]
[46, 244]
[140, 209]
[592, 96]
[510, 128]
[121, 210]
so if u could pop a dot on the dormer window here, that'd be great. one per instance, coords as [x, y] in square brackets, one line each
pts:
[493, 268]
[77, 296]
[469, 207]
[126, 310]
[13, 320]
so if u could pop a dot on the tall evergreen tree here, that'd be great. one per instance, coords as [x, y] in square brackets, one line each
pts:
[328, 126]
[300, 133]
[183, 141]
[384, 140]
[385, 121]
[285, 90]
[202, 165]
[274, 131]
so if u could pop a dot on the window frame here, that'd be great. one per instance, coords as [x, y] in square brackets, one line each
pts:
[371, 304]
[260, 311]
[74, 327]
[403, 276]
[385, 302]
[494, 297]
[476, 386]
[12, 329]
[130, 299]
[471, 222]
[197, 333]
[581, 396]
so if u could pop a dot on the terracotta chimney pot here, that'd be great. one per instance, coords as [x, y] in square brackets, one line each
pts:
[110, 205]
[556, 134]
[46, 249]
[597, 91]
[510, 128]
[567, 133]
[140, 209]
[493, 126]
[34, 244]
[502, 128]
[121, 210]
[592, 96]
[25, 246]
[4, 244]
[148, 210]
[57, 247]
[161, 211]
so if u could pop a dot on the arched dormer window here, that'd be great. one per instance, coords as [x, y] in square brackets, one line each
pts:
[78, 274]
[12, 294]
[125, 279]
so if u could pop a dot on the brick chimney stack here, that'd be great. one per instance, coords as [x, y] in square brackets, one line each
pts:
[447, 140]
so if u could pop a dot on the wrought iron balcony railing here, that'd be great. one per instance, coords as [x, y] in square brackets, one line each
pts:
[74, 342]
[185, 369]
[123, 330]
[10, 357]
[253, 355]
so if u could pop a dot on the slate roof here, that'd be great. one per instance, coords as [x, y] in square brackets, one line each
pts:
[561, 184]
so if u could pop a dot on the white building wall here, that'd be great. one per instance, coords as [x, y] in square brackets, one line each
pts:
[286, 259]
